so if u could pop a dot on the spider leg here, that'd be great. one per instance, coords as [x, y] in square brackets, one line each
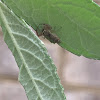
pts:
[41, 33]
[38, 33]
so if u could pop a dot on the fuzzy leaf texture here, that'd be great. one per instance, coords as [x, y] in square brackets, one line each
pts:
[75, 22]
[37, 71]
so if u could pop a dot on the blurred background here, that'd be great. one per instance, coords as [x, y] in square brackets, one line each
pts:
[79, 76]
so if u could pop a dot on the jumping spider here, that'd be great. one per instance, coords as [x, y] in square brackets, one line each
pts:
[46, 32]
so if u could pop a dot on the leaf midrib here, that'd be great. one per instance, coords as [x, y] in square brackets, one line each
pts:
[17, 48]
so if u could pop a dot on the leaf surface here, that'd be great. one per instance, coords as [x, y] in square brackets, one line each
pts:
[37, 71]
[75, 22]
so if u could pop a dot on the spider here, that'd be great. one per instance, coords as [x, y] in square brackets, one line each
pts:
[46, 32]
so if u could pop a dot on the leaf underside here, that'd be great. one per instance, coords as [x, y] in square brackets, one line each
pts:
[76, 22]
[37, 71]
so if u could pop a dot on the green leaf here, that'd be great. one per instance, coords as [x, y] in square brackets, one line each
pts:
[75, 22]
[37, 71]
